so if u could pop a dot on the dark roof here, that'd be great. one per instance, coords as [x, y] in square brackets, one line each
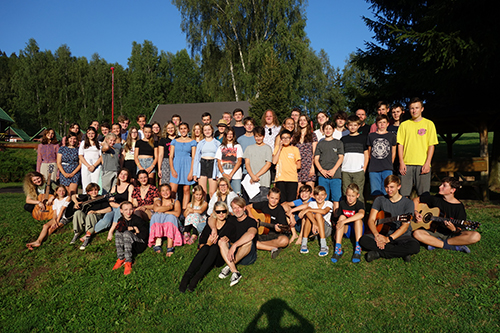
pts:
[11, 131]
[191, 113]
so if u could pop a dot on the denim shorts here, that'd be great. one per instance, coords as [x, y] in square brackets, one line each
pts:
[146, 163]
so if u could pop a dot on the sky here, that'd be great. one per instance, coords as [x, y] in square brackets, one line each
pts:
[109, 27]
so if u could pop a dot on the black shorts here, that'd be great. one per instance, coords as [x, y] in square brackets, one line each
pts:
[251, 257]
[270, 236]
[207, 168]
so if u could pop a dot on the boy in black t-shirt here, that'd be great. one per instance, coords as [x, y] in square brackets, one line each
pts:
[445, 236]
[274, 241]
[130, 230]
[382, 152]
[85, 221]
[350, 210]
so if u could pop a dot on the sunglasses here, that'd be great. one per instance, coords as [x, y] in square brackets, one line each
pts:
[270, 131]
[221, 211]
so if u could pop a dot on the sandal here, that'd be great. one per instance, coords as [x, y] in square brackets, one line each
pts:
[187, 237]
[157, 249]
[170, 251]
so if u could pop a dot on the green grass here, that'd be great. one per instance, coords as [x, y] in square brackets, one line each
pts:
[60, 288]
[465, 147]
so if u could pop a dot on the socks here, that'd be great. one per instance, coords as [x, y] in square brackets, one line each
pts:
[304, 242]
[338, 248]
[322, 242]
[357, 249]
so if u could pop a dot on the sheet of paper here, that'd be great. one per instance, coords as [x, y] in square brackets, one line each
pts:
[252, 189]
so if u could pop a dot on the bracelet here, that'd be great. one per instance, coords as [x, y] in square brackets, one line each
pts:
[391, 239]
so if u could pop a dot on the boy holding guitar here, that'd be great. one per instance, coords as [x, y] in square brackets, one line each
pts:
[445, 235]
[274, 241]
[398, 243]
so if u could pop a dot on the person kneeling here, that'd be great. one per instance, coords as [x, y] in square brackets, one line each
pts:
[131, 231]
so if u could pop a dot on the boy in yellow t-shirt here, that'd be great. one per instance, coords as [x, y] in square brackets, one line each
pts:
[287, 160]
[416, 138]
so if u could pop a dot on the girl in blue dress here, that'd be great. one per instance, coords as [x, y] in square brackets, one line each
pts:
[69, 164]
[182, 151]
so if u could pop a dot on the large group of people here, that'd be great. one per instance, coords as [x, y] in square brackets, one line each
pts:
[244, 187]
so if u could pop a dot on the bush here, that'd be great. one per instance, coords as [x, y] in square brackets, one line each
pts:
[15, 163]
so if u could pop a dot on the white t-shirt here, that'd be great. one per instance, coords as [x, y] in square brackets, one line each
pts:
[91, 154]
[327, 216]
[228, 157]
[57, 205]
[319, 135]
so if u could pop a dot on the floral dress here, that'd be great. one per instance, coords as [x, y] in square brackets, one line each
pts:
[306, 160]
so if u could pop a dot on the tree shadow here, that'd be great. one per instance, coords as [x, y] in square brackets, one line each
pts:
[274, 310]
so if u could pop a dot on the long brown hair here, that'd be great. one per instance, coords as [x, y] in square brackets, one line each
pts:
[276, 122]
[44, 137]
[87, 140]
[298, 134]
[128, 142]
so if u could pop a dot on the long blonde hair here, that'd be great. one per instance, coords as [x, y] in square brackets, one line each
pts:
[28, 186]
[195, 189]
[229, 188]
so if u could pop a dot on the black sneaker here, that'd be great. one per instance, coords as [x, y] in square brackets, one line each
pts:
[372, 255]
[407, 258]
[75, 238]
[85, 243]
[235, 278]
[226, 271]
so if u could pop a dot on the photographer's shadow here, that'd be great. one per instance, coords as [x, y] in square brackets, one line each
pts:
[274, 310]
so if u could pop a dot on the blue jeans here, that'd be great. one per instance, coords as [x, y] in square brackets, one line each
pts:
[333, 188]
[236, 185]
[107, 220]
[377, 181]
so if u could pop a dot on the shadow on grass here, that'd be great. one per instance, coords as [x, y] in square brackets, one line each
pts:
[275, 311]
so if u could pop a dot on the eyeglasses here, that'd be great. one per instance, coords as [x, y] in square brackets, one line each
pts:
[270, 131]
[221, 211]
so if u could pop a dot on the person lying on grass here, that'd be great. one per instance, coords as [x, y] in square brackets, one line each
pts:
[59, 206]
[131, 236]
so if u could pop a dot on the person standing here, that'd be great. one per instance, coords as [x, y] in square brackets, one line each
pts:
[416, 138]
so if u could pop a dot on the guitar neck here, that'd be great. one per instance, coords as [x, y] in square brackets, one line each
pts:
[456, 223]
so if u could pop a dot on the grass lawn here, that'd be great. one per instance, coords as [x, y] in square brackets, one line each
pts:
[60, 288]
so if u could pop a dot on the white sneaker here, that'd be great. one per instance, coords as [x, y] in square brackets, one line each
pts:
[226, 271]
[235, 278]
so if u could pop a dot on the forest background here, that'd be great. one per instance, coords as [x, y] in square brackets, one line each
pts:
[445, 51]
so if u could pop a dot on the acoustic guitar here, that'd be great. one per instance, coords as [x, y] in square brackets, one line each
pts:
[46, 213]
[430, 215]
[384, 219]
[264, 223]
[84, 206]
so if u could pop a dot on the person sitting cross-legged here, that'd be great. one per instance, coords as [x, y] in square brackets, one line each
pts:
[446, 235]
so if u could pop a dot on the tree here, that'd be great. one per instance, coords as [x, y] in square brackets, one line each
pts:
[441, 50]
[144, 91]
[233, 36]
